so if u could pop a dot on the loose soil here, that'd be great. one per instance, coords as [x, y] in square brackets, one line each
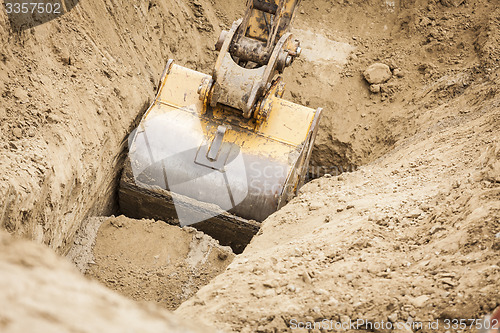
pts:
[153, 261]
[410, 233]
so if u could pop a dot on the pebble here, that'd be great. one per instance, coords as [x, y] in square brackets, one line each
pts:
[414, 213]
[393, 317]
[419, 301]
[270, 293]
[306, 278]
[397, 72]
[297, 252]
[270, 284]
[17, 132]
[31, 132]
[448, 282]
[222, 256]
[375, 88]
[20, 94]
[425, 21]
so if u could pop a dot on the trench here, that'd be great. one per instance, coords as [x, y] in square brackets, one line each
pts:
[149, 260]
[99, 71]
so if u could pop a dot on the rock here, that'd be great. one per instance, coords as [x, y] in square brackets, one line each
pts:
[270, 284]
[393, 317]
[17, 132]
[414, 213]
[116, 222]
[306, 277]
[448, 282]
[425, 21]
[297, 252]
[222, 256]
[20, 94]
[377, 73]
[398, 72]
[31, 132]
[419, 301]
[53, 119]
[270, 293]
[375, 88]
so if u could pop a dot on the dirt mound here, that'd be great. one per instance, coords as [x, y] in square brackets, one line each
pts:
[412, 237]
[42, 292]
[154, 261]
[70, 90]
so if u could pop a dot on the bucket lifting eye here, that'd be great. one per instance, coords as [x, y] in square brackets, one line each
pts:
[216, 143]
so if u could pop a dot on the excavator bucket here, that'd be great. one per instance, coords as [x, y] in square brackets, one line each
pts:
[193, 164]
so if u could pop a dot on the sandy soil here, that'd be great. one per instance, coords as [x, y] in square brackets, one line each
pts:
[70, 91]
[154, 261]
[412, 234]
[41, 292]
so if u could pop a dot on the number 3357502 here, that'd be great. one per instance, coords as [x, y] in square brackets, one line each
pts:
[33, 7]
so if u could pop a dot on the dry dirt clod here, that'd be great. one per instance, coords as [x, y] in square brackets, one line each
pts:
[222, 255]
[17, 132]
[375, 88]
[419, 301]
[377, 73]
[398, 72]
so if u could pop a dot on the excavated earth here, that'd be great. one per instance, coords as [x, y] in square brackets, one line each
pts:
[400, 224]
